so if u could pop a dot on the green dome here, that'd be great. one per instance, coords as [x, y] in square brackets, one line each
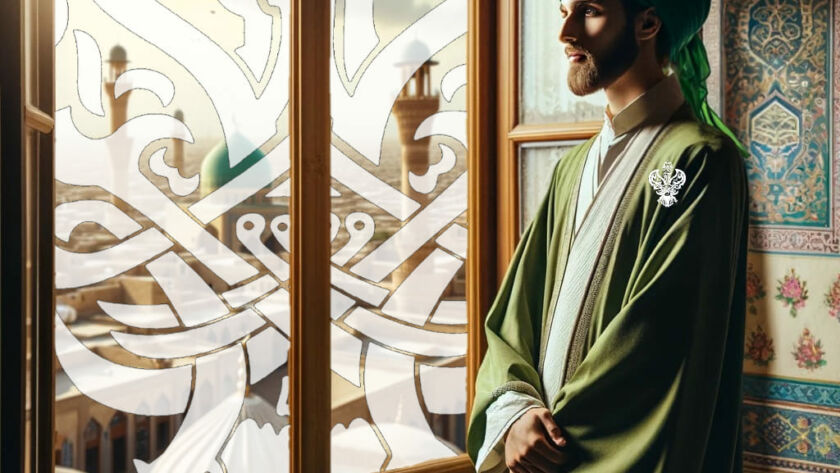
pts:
[216, 170]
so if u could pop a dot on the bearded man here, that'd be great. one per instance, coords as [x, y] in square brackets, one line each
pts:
[615, 342]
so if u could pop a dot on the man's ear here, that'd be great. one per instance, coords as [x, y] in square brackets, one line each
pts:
[648, 25]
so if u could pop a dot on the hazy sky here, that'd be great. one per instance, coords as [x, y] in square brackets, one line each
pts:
[226, 29]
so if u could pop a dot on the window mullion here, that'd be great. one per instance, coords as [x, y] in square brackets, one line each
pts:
[309, 129]
[481, 155]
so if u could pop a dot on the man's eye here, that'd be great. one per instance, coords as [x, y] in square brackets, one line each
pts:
[589, 11]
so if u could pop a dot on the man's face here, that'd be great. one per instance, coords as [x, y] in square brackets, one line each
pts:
[600, 43]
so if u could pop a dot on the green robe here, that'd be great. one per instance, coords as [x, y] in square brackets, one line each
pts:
[657, 387]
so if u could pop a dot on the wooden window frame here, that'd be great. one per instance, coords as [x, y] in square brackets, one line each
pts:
[27, 207]
[26, 229]
[512, 133]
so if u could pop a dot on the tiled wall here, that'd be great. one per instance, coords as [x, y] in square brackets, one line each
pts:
[780, 72]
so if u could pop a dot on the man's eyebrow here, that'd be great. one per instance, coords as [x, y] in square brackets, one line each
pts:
[574, 3]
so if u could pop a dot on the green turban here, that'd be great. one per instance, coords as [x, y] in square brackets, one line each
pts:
[683, 20]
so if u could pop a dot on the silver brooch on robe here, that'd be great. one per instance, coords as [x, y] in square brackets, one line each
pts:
[666, 182]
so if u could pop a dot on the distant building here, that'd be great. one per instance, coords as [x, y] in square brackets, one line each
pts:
[415, 103]
[118, 61]
[89, 436]
[216, 173]
[178, 146]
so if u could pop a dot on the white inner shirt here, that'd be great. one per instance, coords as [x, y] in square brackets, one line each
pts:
[594, 160]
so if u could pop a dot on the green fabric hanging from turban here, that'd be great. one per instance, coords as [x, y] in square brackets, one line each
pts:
[683, 20]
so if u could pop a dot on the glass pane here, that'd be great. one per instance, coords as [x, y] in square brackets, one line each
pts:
[544, 95]
[171, 236]
[536, 163]
[399, 233]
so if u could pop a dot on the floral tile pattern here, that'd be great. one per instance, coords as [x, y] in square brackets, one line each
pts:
[792, 292]
[780, 94]
[755, 289]
[760, 347]
[832, 299]
[808, 352]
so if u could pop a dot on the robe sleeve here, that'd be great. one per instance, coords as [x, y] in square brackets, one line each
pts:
[507, 382]
[662, 368]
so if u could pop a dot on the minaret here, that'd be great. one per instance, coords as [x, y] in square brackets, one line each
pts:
[119, 107]
[119, 110]
[178, 147]
[414, 104]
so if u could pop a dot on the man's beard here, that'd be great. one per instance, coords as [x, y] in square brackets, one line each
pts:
[595, 73]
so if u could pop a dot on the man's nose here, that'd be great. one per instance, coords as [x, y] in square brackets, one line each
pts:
[567, 31]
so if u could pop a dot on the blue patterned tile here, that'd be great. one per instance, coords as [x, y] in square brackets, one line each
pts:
[791, 434]
[778, 71]
[802, 392]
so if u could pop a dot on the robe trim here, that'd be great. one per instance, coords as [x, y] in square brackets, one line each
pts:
[592, 233]
[565, 244]
[518, 386]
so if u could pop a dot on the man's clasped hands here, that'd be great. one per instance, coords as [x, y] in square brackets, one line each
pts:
[535, 444]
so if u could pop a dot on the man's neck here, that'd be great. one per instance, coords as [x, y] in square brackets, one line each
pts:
[638, 79]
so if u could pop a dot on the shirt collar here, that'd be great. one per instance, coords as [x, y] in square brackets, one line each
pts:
[655, 105]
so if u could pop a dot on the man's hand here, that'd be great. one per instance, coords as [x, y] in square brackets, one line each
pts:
[535, 444]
